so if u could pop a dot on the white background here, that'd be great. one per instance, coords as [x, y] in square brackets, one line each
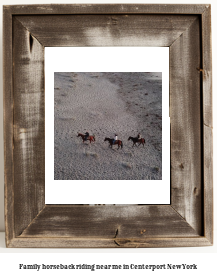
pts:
[139, 59]
[205, 257]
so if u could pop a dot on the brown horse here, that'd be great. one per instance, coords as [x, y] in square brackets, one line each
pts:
[90, 138]
[136, 140]
[117, 142]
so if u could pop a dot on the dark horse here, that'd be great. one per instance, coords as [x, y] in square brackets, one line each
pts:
[90, 138]
[136, 140]
[117, 142]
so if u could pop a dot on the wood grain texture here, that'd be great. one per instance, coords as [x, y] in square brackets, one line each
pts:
[109, 222]
[208, 182]
[29, 223]
[107, 30]
[106, 9]
[8, 125]
[185, 113]
[29, 140]
[161, 242]
[207, 123]
[207, 67]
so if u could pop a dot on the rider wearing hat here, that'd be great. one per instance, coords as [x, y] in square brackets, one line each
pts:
[86, 135]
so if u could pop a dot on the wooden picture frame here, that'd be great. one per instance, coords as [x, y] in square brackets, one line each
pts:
[186, 30]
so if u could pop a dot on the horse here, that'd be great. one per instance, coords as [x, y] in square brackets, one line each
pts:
[90, 138]
[136, 140]
[117, 142]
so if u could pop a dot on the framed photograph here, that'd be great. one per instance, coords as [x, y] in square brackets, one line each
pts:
[108, 125]
[103, 97]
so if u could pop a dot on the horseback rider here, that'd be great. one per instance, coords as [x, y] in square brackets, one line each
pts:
[115, 139]
[86, 135]
[139, 137]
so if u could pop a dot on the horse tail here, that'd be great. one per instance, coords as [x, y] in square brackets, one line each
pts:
[121, 144]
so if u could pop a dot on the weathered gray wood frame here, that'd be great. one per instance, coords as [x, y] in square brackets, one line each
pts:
[186, 29]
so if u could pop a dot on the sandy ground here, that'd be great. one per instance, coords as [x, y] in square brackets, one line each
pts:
[105, 104]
